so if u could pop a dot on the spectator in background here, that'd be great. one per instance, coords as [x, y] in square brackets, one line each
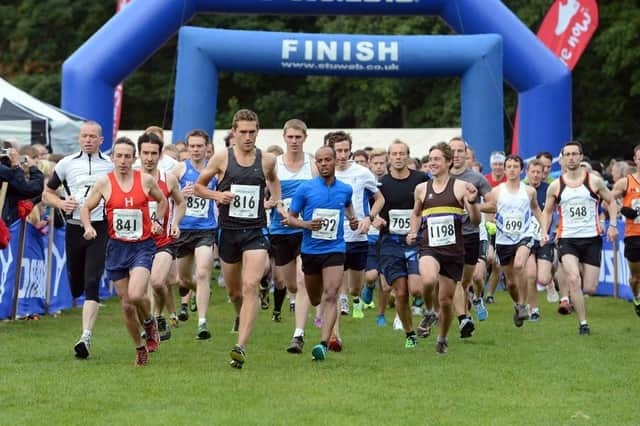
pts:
[414, 164]
[619, 170]
[19, 187]
[170, 150]
[361, 157]
[471, 157]
[497, 175]
[424, 164]
[43, 152]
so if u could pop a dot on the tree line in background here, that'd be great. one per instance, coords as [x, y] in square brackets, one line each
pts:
[38, 35]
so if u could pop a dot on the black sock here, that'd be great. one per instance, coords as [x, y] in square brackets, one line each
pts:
[356, 300]
[278, 298]
[411, 333]
[324, 343]
[461, 317]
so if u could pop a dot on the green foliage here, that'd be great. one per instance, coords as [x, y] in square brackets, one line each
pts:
[38, 36]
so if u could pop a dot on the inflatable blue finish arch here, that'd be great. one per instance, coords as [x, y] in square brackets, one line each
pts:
[477, 59]
[543, 83]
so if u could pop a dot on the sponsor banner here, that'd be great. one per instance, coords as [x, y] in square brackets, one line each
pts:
[566, 30]
[606, 281]
[32, 290]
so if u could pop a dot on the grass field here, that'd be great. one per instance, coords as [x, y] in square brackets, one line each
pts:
[541, 374]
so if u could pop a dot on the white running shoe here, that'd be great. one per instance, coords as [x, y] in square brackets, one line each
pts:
[397, 324]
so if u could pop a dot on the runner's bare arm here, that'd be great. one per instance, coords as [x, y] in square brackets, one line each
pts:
[273, 181]
[612, 206]
[547, 213]
[416, 213]
[468, 194]
[154, 191]
[535, 208]
[178, 200]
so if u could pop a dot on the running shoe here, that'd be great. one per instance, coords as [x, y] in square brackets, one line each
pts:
[371, 305]
[480, 309]
[442, 346]
[584, 330]
[428, 320]
[183, 315]
[397, 323]
[517, 320]
[236, 325]
[296, 345]
[565, 307]
[319, 352]
[264, 297]
[381, 320]
[636, 304]
[335, 344]
[358, 312]
[276, 317]
[466, 328]
[344, 305]
[535, 316]
[82, 348]
[417, 311]
[163, 328]
[411, 342]
[203, 332]
[552, 294]
[523, 312]
[142, 357]
[489, 300]
[152, 335]
[238, 357]
[318, 322]
[173, 321]
[193, 305]
[367, 294]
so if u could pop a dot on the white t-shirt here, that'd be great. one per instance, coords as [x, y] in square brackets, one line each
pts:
[364, 185]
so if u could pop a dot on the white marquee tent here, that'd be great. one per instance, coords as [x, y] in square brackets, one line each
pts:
[28, 120]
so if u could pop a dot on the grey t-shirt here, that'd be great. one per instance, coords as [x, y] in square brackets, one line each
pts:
[480, 182]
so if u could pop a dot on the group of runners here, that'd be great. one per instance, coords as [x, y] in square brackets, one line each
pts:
[343, 227]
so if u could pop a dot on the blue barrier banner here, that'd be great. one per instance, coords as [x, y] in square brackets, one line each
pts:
[8, 258]
[605, 286]
[32, 291]
[60, 293]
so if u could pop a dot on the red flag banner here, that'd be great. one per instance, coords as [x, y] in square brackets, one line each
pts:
[117, 94]
[566, 30]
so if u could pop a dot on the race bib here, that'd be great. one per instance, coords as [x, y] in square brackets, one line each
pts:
[579, 212]
[153, 212]
[286, 204]
[442, 231]
[635, 204]
[245, 202]
[330, 222]
[513, 224]
[399, 221]
[127, 224]
[197, 207]
[536, 228]
[84, 187]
